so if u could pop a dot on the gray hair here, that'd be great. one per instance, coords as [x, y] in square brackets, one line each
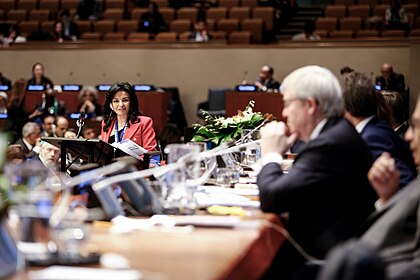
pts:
[319, 83]
[88, 88]
[28, 128]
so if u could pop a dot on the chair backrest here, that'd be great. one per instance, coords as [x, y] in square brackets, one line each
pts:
[216, 98]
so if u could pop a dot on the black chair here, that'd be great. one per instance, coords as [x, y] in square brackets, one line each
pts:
[215, 104]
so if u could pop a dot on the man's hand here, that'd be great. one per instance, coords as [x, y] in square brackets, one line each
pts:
[384, 177]
[274, 138]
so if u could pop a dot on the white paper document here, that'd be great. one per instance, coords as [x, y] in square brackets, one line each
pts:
[75, 273]
[130, 148]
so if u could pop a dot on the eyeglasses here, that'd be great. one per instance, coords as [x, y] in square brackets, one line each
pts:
[289, 101]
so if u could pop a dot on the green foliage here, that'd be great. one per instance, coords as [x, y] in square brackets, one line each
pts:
[219, 129]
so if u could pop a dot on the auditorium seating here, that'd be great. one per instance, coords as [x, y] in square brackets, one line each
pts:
[240, 13]
[223, 17]
[240, 37]
[127, 26]
[217, 13]
[113, 14]
[181, 25]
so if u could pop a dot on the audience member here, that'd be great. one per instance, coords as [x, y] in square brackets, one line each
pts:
[152, 21]
[346, 70]
[38, 77]
[70, 133]
[396, 17]
[5, 81]
[3, 102]
[70, 28]
[266, 81]
[57, 34]
[49, 155]
[308, 32]
[15, 154]
[17, 116]
[201, 33]
[389, 80]
[122, 118]
[61, 126]
[30, 136]
[88, 133]
[48, 126]
[328, 175]
[393, 230]
[394, 102]
[88, 97]
[50, 105]
[12, 36]
[361, 108]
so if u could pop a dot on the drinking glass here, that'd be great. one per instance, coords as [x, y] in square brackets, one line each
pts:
[252, 154]
[181, 182]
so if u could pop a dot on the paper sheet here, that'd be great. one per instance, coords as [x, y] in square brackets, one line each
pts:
[74, 273]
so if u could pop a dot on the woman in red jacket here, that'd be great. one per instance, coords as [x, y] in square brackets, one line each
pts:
[122, 118]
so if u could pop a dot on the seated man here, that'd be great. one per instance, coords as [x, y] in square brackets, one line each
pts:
[266, 82]
[389, 80]
[326, 192]
[393, 231]
[30, 136]
[361, 108]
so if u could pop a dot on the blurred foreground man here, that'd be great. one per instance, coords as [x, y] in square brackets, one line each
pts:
[395, 227]
[326, 193]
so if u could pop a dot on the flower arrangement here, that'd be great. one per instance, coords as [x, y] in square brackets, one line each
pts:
[220, 129]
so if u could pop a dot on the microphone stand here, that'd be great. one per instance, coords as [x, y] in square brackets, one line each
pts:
[80, 123]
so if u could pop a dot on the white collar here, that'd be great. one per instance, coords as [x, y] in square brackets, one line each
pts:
[361, 125]
[30, 147]
[317, 129]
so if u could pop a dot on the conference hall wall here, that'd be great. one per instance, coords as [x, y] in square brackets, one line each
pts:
[195, 69]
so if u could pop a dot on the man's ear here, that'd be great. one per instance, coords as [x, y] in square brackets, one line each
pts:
[313, 105]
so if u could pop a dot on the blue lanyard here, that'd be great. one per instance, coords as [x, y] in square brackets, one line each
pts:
[117, 137]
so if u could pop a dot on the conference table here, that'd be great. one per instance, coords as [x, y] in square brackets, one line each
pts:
[242, 252]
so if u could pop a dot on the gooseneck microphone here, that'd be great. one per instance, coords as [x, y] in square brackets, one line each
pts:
[80, 122]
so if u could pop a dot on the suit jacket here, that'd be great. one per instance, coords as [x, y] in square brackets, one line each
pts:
[326, 192]
[28, 153]
[395, 82]
[271, 84]
[140, 132]
[380, 137]
[394, 231]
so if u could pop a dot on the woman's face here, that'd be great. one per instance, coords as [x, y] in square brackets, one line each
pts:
[38, 71]
[88, 95]
[120, 103]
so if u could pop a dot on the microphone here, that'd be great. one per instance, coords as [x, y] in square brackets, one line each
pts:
[80, 122]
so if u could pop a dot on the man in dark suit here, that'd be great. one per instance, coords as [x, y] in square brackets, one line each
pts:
[30, 136]
[266, 82]
[389, 80]
[393, 231]
[361, 108]
[326, 193]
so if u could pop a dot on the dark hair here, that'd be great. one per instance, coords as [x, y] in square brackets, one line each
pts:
[133, 111]
[345, 70]
[37, 63]
[15, 151]
[360, 96]
[394, 101]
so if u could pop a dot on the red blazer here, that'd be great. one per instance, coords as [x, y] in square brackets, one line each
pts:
[141, 133]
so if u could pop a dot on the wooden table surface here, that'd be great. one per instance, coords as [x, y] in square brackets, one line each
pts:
[243, 252]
